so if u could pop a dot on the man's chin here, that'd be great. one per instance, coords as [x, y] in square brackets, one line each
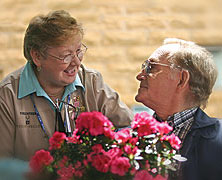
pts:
[137, 98]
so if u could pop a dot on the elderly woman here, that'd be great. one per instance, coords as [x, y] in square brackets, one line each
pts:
[53, 88]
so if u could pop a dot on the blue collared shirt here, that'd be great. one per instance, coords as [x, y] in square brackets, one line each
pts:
[29, 84]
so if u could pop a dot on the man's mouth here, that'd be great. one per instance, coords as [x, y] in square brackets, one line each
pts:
[143, 86]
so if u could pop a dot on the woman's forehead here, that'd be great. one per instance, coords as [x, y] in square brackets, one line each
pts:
[71, 43]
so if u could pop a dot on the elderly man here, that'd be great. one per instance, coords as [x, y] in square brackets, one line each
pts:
[176, 82]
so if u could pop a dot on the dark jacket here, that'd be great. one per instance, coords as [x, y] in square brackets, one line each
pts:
[203, 149]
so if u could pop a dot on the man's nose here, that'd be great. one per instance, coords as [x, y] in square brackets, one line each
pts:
[141, 76]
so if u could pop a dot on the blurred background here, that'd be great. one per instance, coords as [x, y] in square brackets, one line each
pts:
[120, 35]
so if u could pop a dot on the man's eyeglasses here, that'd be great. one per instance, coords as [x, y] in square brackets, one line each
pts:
[68, 58]
[147, 66]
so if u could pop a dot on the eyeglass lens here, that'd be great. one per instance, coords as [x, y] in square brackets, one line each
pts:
[79, 54]
[146, 66]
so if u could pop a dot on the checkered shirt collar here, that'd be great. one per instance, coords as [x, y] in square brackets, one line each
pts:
[181, 122]
[179, 119]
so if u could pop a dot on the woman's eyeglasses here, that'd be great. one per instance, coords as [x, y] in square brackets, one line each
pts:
[68, 58]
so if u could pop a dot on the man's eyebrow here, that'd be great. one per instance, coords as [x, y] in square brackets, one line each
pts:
[153, 60]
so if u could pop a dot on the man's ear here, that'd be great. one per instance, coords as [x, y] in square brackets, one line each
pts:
[184, 79]
[35, 57]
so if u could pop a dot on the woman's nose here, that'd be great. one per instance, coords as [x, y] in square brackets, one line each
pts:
[76, 61]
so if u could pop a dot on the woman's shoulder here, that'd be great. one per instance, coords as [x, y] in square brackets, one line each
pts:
[11, 81]
[87, 74]
[89, 71]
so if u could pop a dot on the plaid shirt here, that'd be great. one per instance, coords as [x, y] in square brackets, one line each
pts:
[181, 123]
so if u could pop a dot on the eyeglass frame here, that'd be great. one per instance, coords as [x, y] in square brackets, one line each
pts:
[147, 67]
[70, 55]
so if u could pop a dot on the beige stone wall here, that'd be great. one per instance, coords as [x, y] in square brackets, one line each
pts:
[120, 34]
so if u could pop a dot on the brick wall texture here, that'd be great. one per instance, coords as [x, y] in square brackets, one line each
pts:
[120, 34]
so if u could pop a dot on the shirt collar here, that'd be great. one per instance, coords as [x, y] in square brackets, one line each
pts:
[180, 118]
[29, 84]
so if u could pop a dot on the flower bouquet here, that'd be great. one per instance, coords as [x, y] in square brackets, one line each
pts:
[96, 150]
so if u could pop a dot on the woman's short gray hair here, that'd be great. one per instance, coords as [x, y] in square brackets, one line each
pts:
[49, 30]
[199, 63]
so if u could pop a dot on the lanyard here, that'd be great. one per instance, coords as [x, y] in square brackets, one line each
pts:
[41, 122]
[39, 117]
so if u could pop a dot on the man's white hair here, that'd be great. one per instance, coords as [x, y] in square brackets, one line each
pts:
[197, 61]
[177, 41]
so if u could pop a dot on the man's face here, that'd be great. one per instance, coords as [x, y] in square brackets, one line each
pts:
[158, 86]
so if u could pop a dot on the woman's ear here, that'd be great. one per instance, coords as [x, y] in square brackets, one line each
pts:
[184, 79]
[35, 57]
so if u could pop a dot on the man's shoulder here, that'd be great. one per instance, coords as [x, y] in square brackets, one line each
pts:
[208, 127]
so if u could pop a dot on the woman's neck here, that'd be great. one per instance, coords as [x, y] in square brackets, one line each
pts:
[53, 92]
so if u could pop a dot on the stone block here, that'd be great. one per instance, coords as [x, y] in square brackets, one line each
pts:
[104, 53]
[145, 22]
[207, 37]
[126, 38]
[140, 53]
[146, 10]
[214, 107]
[113, 22]
[157, 37]
[92, 38]
[69, 5]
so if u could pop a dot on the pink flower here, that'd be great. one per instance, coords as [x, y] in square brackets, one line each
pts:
[82, 122]
[163, 128]
[144, 123]
[99, 158]
[94, 121]
[79, 173]
[130, 150]
[85, 162]
[133, 141]
[101, 161]
[127, 149]
[143, 175]
[120, 166]
[123, 135]
[63, 162]
[173, 140]
[41, 159]
[115, 152]
[66, 173]
[159, 177]
[56, 140]
[79, 169]
[108, 132]
[75, 138]
[97, 148]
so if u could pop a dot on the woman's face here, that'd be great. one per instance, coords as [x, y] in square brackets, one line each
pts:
[54, 72]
